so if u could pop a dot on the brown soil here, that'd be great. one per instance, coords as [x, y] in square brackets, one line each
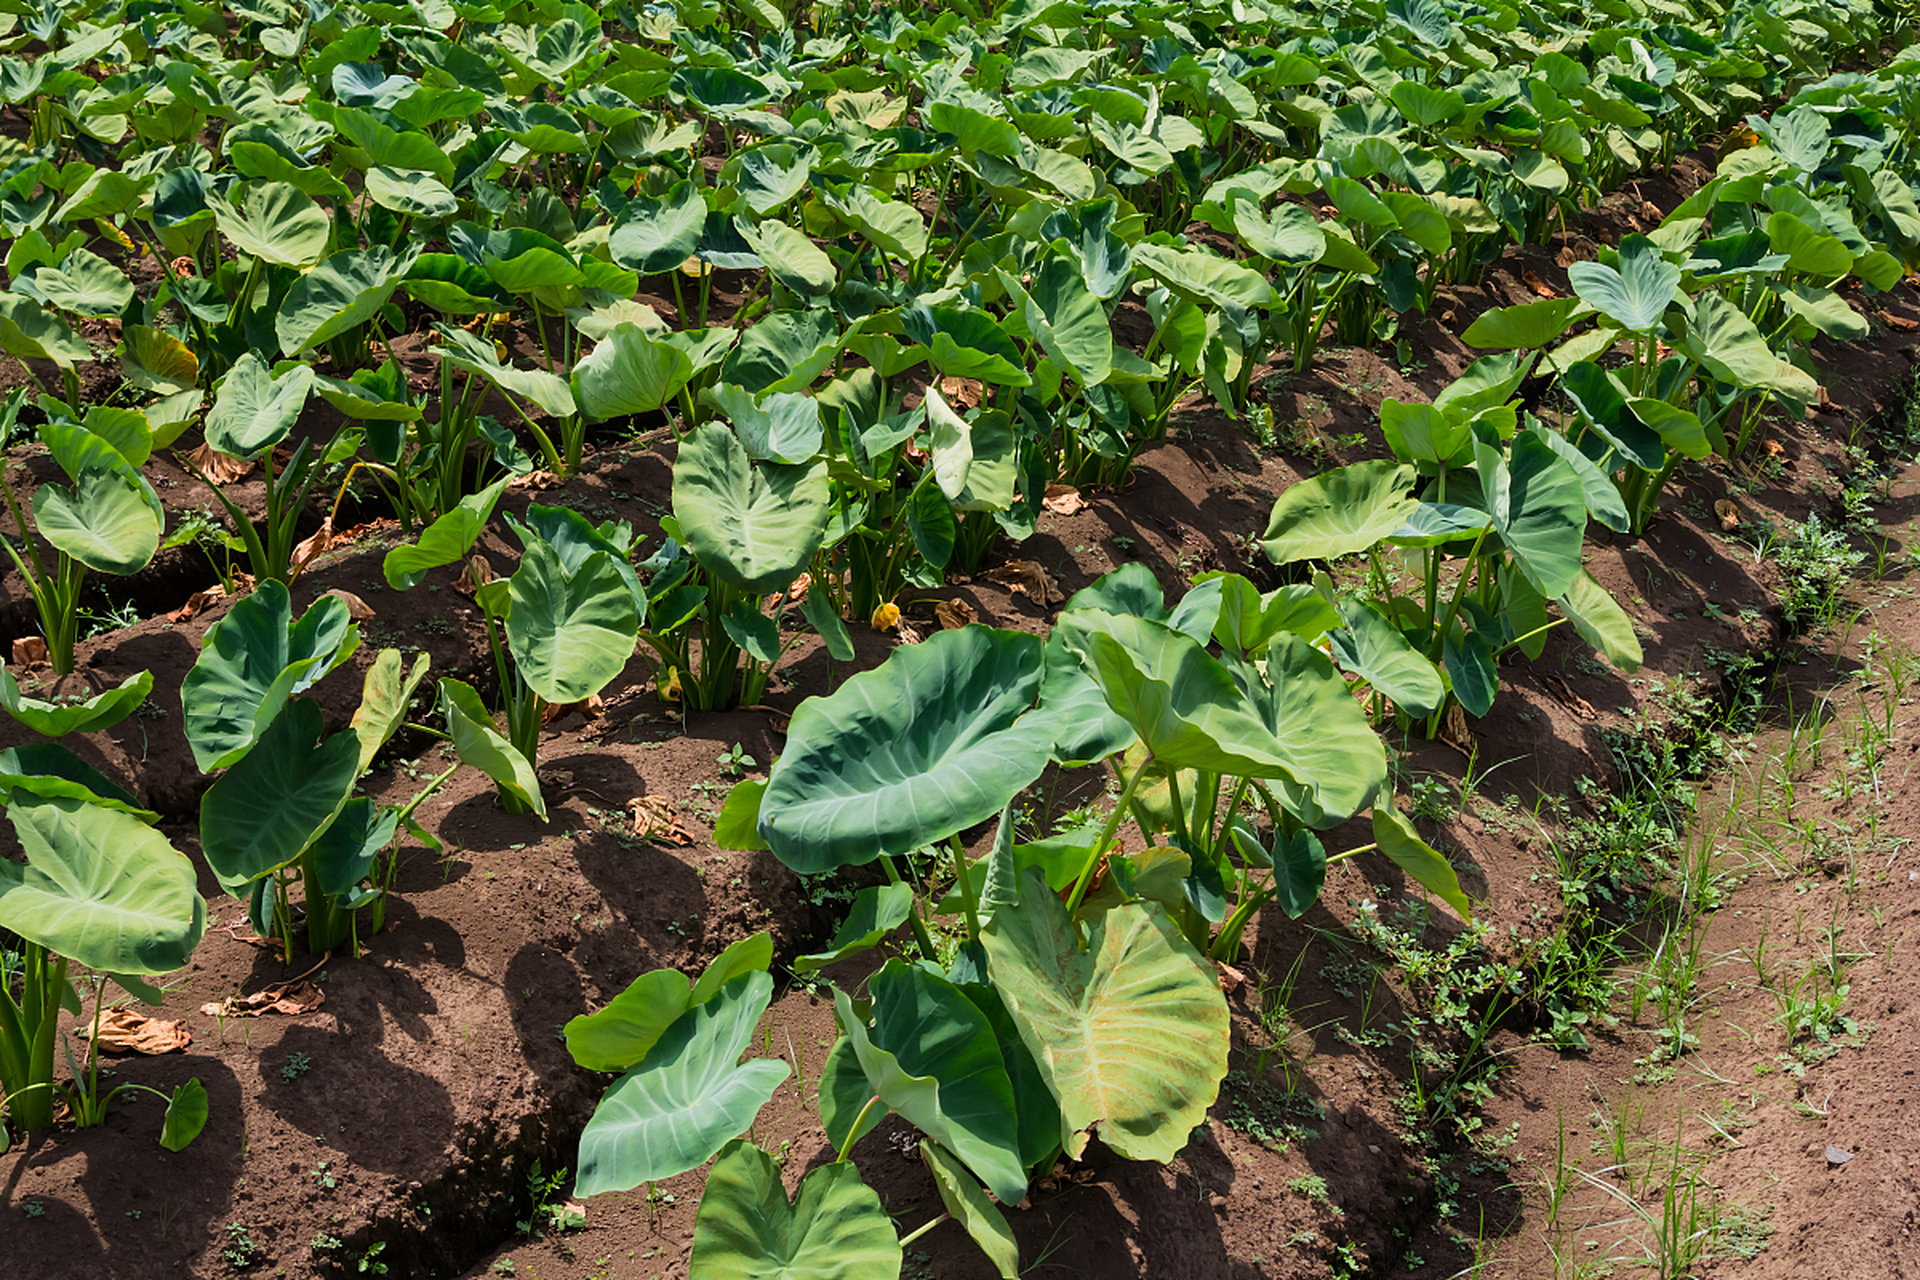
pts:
[403, 1117]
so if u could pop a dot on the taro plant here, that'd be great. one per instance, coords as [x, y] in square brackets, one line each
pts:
[751, 511]
[107, 520]
[1507, 505]
[254, 411]
[100, 889]
[560, 628]
[283, 810]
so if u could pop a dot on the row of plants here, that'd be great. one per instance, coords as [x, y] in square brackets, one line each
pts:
[903, 199]
[1053, 989]
[558, 168]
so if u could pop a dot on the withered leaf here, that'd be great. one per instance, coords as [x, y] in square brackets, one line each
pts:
[124, 1031]
[954, 614]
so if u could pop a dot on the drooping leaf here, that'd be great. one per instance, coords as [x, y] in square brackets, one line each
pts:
[1131, 1033]
[479, 744]
[57, 719]
[1402, 844]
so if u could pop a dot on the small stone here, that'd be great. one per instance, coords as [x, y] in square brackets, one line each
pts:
[1838, 1155]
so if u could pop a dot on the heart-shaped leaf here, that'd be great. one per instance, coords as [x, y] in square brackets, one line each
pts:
[689, 1095]
[834, 1229]
[1129, 1031]
[903, 756]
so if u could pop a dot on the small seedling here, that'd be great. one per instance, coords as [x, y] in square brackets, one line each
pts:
[735, 761]
[298, 1064]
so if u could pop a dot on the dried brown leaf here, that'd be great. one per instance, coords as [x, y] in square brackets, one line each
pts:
[290, 998]
[29, 650]
[307, 550]
[1728, 513]
[801, 585]
[1564, 695]
[954, 614]
[218, 467]
[655, 819]
[1454, 732]
[1063, 500]
[963, 393]
[1535, 283]
[1028, 578]
[590, 706]
[124, 1031]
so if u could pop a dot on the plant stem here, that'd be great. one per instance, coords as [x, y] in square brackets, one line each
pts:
[1106, 836]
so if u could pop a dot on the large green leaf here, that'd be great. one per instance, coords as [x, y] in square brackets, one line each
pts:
[1206, 277]
[479, 744]
[1343, 511]
[628, 372]
[985, 1223]
[551, 392]
[1637, 292]
[445, 540]
[1601, 622]
[384, 699]
[1177, 698]
[251, 662]
[752, 525]
[254, 411]
[1728, 344]
[926, 745]
[932, 1057]
[776, 426]
[877, 911]
[1065, 319]
[99, 886]
[341, 294]
[570, 633]
[618, 1036]
[86, 285]
[835, 1228]
[1538, 507]
[110, 519]
[1530, 324]
[791, 258]
[1129, 1030]
[1372, 649]
[1398, 840]
[31, 332]
[1334, 752]
[264, 811]
[688, 1096]
[57, 719]
[273, 221]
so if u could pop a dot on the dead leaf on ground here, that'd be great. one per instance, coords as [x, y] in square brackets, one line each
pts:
[801, 585]
[1825, 402]
[1231, 979]
[542, 479]
[590, 706]
[1063, 500]
[1539, 286]
[357, 609]
[909, 634]
[1651, 212]
[1563, 694]
[1774, 448]
[28, 650]
[217, 467]
[290, 998]
[380, 524]
[1566, 257]
[124, 1031]
[963, 393]
[1028, 578]
[655, 819]
[954, 614]
[199, 601]
[1892, 321]
[1728, 513]
[1454, 732]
